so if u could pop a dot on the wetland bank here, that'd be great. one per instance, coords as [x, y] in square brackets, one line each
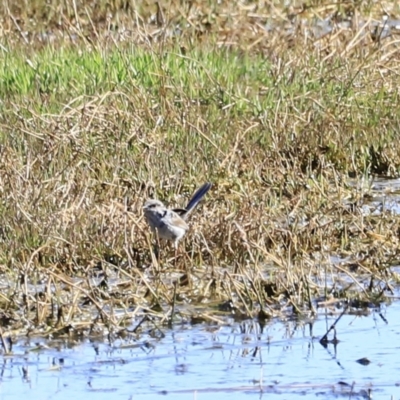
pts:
[104, 105]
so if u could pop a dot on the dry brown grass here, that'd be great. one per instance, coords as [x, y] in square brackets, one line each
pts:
[78, 163]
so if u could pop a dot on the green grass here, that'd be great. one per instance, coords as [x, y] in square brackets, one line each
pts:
[224, 88]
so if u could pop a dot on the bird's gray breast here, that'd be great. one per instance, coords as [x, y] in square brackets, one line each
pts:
[157, 218]
[166, 223]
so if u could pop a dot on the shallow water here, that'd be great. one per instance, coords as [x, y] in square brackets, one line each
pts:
[284, 360]
[384, 195]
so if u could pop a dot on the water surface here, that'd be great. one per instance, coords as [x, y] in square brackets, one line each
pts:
[283, 359]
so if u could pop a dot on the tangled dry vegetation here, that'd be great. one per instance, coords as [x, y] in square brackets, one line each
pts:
[104, 106]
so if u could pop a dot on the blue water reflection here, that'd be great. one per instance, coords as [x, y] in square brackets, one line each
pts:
[282, 360]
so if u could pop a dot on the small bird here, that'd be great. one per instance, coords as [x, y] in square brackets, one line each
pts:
[171, 224]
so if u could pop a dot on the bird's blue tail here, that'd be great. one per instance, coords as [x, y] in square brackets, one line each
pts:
[199, 194]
